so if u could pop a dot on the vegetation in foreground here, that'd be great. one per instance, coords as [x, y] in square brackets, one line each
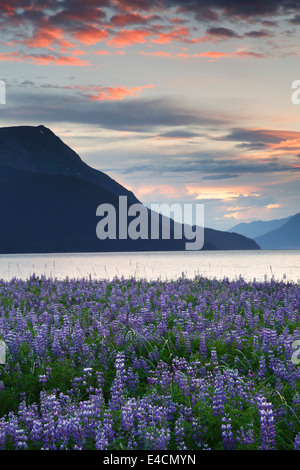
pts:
[162, 365]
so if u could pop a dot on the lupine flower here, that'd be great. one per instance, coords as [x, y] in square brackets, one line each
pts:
[297, 442]
[226, 432]
[267, 424]
[245, 435]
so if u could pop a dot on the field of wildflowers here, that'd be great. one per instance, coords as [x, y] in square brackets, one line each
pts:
[132, 364]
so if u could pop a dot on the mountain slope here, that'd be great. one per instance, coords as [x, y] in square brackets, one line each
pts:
[39, 150]
[258, 227]
[286, 237]
[49, 197]
[43, 213]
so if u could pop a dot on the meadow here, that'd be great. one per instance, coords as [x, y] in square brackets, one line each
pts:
[128, 364]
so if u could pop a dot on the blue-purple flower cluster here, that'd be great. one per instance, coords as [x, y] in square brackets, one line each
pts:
[149, 365]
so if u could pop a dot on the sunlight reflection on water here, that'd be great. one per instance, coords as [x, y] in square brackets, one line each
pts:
[282, 265]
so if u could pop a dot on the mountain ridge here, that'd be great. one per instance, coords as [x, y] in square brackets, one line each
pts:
[257, 228]
[285, 237]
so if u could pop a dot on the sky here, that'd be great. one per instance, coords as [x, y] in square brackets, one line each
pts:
[181, 102]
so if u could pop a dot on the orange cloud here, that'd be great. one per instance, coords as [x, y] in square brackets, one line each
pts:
[45, 37]
[105, 52]
[184, 55]
[224, 193]
[42, 59]
[157, 54]
[71, 61]
[92, 35]
[66, 45]
[251, 213]
[9, 57]
[115, 93]
[233, 215]
[129, 18]
[282, 134]
[9, 10]
[129, 38]
[178, 34]
[215, 55]
[78, 52]
[212, 55]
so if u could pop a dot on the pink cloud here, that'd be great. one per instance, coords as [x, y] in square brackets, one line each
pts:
[157, 54]
[105, 52]
[178, 34]
[9, 57]
[42, 59]
[127, 19]
[215, 55]
[110, 93]
[129, 38]
[45, 37]
[114, 93]
[91, 35]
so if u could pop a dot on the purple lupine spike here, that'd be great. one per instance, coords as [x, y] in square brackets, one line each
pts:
[267, 424]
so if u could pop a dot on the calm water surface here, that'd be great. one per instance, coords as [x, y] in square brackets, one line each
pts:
[259, 265]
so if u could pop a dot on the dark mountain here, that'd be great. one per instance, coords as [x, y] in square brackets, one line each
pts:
[39, 150]
[258, 227]
[286, 237]
[49, 197]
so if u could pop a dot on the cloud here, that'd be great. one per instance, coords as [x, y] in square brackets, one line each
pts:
[96, 92]
[129, 37]
[273, 206]
[43, 59]
[45, 37]
[177, 34]
[257, 34]
[114, 93]
[221, 176]
[9, 57]
[295, 20]
[252, 145]
[139, 5]
[91, 35]
[215, 168]
[212, 56]
[267, 136]
[59, 25]
[136, 114]
[156, 54]
[128, 19]
[257, 211]
[220, 193]
[246, 10]
[178, 134]
[222, 33]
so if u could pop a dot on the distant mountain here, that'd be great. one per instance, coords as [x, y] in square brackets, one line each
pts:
[49, 197]
[286, 237]
[258, 227]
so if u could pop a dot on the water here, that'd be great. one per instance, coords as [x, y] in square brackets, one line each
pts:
[259, 265]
